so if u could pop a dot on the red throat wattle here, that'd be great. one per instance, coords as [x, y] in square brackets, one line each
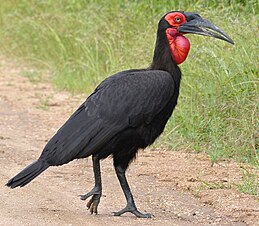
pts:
[179, 45]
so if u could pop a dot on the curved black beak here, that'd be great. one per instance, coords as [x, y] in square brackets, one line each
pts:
[197, 25]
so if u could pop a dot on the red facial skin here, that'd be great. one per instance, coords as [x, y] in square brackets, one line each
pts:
[179, 45]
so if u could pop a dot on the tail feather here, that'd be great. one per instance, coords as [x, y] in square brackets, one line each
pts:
[28, 174]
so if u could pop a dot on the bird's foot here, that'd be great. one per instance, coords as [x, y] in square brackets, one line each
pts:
[134, 211]
[94, 201]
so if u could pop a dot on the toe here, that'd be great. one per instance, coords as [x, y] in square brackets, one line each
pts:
[89, 203]
[142, 215]
[86, 196]
[133, 211]
[94, 207]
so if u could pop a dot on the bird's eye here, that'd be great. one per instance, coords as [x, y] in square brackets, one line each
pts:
[177, 19]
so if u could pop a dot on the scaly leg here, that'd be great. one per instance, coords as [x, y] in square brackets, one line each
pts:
[130, 207]
[96, 192]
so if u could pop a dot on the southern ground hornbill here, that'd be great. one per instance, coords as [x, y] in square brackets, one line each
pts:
[126, 112]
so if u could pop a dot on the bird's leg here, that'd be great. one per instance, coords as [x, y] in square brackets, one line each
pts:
[96, 192]
[130, 207]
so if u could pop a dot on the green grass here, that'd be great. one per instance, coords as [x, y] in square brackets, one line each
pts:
[250, 183]
[82, 42]
[33, 76]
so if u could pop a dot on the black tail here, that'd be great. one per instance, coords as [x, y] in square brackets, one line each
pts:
[28, 174]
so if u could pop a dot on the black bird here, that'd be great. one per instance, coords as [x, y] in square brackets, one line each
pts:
[126, 112]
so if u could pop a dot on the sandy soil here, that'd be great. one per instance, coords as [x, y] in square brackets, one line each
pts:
[179, 188]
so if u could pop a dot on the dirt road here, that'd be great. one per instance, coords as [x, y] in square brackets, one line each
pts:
[170, 185]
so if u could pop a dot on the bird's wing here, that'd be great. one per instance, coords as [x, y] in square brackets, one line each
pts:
[135, 97]
[126, 99]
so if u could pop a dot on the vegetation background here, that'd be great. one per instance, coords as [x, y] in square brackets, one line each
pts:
[81, 42]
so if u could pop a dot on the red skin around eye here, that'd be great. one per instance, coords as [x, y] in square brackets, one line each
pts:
[179, 45]
[170, 18]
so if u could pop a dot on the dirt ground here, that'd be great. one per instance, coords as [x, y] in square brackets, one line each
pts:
[179, 188]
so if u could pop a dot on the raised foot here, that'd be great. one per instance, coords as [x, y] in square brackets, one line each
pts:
[93, 203]
[133, 211]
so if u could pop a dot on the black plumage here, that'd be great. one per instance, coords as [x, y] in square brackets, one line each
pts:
[130, 102]
[125, 113]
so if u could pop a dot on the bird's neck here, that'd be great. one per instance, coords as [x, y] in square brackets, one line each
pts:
[162, 59]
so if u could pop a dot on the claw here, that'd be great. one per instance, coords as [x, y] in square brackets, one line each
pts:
[88, 205]
[93, 203]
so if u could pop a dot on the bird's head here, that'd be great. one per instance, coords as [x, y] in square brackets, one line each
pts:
[176, 24]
